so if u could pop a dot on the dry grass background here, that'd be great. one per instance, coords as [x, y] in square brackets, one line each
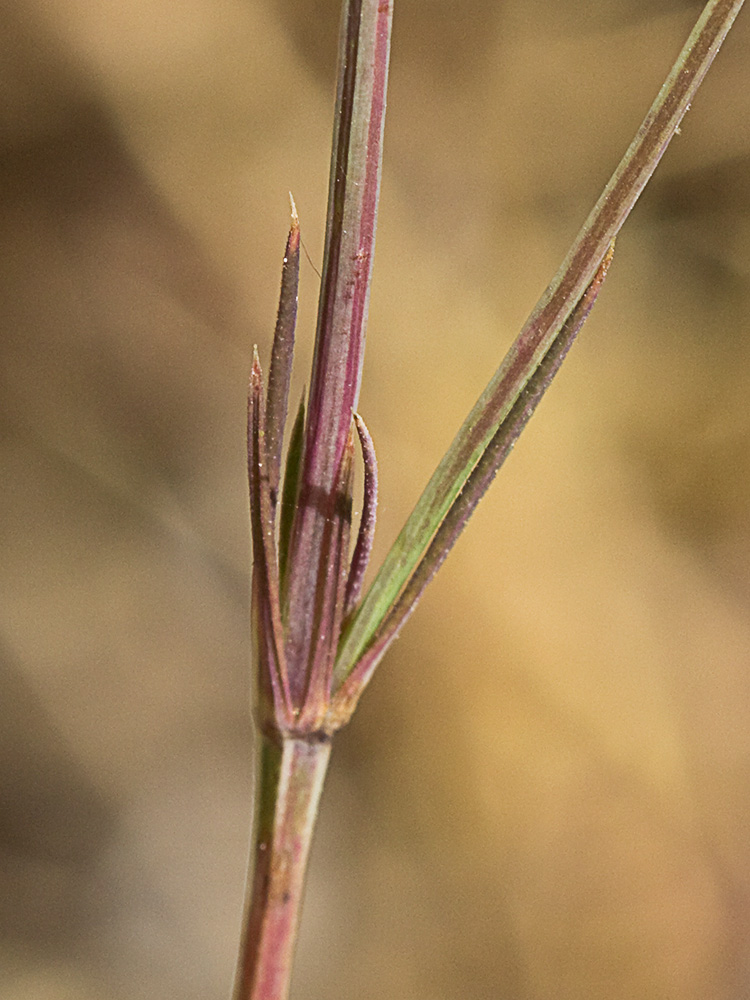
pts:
[545, 795]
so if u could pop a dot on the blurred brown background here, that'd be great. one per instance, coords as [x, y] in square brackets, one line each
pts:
[545, 795]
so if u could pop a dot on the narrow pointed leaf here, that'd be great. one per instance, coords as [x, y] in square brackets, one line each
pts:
[476, 486]
[265, 575]
[280, 371]
[342, 311]
[291, 487]
[543, 326]
[366, 533]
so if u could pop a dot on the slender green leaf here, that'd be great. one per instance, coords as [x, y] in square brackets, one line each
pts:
[542, 327]
[466, 502]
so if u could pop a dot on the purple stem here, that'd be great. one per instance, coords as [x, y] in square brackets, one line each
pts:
[339, 345]
[291, 781]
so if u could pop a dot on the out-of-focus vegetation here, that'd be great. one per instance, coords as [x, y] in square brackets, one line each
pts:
[558, 810]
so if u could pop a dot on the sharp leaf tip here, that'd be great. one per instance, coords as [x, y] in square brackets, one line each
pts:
[294, 215]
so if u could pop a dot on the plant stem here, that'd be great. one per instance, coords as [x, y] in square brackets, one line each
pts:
[291, 778]
[342, 318]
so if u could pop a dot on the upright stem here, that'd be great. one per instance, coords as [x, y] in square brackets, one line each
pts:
[291, 778]
[342, 319]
